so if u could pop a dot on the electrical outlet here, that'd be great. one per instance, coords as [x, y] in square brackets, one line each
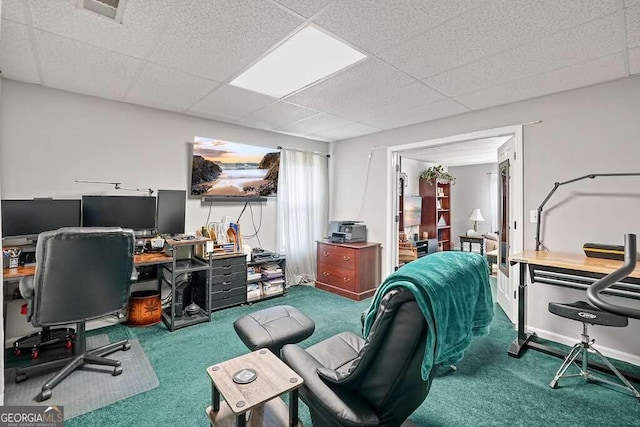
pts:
[533, 216]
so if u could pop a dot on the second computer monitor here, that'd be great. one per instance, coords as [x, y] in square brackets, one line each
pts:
[171, 211]
[135, 212]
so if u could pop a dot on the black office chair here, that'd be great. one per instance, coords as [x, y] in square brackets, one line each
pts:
[588, 315]
[81, 274]
[350, 381]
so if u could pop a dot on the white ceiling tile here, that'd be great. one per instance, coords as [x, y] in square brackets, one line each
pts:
[230, 102]
[141, 25]
[488, 30]
[589, 41]
[315, 124]
[629, 3]
[12, 9]
[306, 8]
[252, 124]
[344, 132]
[365, 90]
[78, 67]
[446, 107]
[17, 60]
[161, 87]
[584, 74]
[280, 114]
[634, 61]
[633, 26]
[216, 39]
[376, 25]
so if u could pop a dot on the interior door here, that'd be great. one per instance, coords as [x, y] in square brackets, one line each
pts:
[507, 275]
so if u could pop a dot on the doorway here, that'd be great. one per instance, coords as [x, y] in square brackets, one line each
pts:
[466, 146]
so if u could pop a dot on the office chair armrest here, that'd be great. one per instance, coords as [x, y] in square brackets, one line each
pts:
[27, 290]
[350, 408]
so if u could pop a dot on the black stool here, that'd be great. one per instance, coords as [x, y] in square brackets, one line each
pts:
[588, 314]
[274, 327]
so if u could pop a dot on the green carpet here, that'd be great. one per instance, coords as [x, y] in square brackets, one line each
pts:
[489, 387]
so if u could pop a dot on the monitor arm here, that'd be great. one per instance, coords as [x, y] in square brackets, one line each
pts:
[558, 184]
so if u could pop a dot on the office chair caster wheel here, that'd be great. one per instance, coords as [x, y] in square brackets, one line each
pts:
[126, 346]
[21, 377]
[117, 371]
[45, 394]
[553, 384]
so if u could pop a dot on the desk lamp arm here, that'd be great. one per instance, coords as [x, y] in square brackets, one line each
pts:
[593, 291]
[558, 184]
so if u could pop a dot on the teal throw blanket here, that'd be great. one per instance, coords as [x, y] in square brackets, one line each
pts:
[453, 292]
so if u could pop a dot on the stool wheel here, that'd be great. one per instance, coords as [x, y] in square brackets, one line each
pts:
[117, 371]
[45, 394]
[126, 346]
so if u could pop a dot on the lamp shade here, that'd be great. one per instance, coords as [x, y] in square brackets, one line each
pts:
[476, 215]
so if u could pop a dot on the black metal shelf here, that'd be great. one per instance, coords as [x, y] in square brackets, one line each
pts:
[266, 297]
[183, 321]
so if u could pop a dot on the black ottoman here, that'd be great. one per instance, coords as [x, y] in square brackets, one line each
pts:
[274, 327]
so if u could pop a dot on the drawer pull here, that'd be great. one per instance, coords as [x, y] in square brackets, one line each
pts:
[227, 267]
[346, 280]
[325, 274]
[226, 283]
[227, 274]
[346, 258]
[326, 253]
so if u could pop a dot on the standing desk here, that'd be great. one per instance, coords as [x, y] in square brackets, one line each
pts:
[572, 271]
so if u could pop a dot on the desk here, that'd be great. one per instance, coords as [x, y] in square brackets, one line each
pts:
[572, 271]
[14, 274]
[471, 240]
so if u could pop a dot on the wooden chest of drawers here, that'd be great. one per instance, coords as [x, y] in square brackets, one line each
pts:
[348, 269]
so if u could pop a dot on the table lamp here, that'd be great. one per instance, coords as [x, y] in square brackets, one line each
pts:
[475, 216]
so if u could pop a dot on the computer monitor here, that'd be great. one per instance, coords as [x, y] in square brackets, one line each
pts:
[171, 210]
[28, 218]
[135, 212]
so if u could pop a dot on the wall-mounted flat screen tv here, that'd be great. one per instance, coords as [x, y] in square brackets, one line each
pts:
[229, 169]
[412, 210]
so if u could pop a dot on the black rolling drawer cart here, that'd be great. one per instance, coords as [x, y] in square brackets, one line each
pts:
[228, 281]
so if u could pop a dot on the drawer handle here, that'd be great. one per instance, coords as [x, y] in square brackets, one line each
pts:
[227, 274]
[346, 280]
[326, 253]
[227, 267]
[226, 283]
[346, 258]
[325, 274]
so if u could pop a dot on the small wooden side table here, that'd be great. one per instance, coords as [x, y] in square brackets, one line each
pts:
[260, 396]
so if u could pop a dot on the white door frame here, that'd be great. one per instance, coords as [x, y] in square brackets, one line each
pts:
[391, 254]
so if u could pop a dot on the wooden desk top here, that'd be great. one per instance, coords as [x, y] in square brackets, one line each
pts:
[274, 378]
[138, 260]
[569, 261]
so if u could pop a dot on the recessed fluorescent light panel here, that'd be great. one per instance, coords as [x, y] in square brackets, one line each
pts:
[305, 58]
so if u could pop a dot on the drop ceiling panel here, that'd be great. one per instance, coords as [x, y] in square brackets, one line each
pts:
[633, 26]
[345, 132]
[12, 9]
[17, 60]
[315, 124]
[361, 91]
[230, 102]
[377, 25]
[436, 110]
[488, 30]
[589, 41]
[78, 67]
[158, 86]
[629, 3]
[585, 74]
[141, 25]
[216, 39]
[279, 114]
[634, 61]
[306, 8]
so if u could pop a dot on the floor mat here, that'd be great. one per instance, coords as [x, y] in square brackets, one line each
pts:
[89, 388]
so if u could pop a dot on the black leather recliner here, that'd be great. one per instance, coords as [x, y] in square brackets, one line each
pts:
[81, 274]
[350, 381]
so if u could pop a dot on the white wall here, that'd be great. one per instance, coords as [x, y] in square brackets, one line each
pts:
[588, 130]
[50, 138]
[471, 190]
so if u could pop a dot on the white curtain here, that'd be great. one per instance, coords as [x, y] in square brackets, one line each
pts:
[493, 194]
[302, 211]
